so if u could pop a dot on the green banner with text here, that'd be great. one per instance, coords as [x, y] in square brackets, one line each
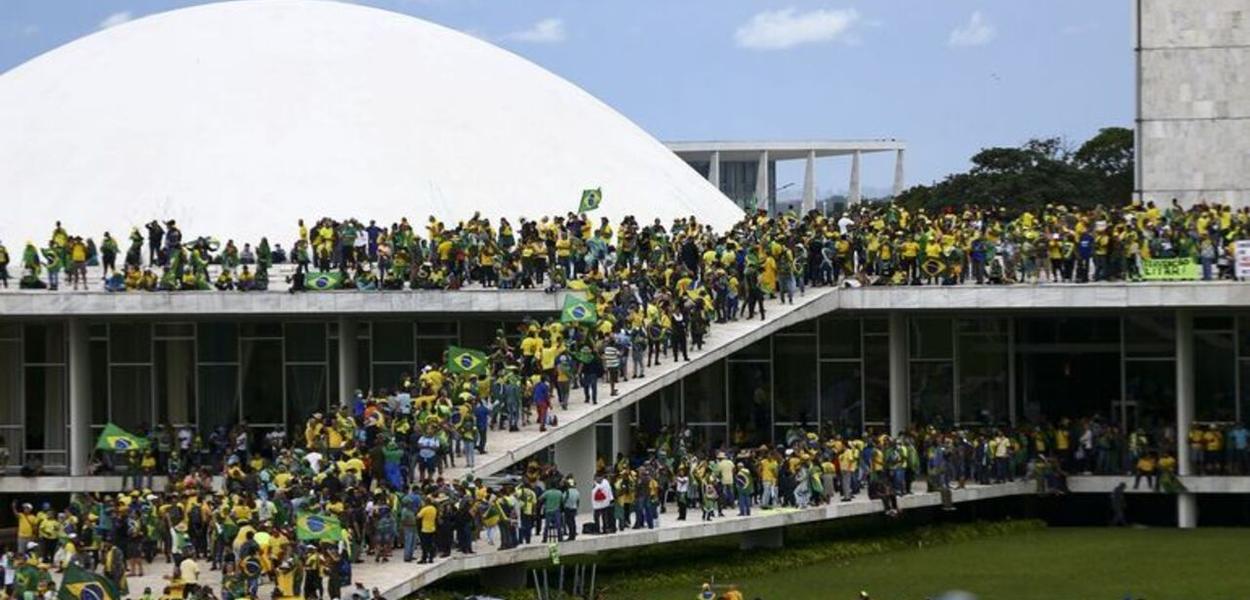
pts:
[1169, 269]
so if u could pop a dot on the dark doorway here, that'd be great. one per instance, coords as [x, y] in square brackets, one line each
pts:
[1073, 385]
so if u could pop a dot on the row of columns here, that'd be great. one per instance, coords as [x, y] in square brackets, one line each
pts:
[763, 188]
[577, 453]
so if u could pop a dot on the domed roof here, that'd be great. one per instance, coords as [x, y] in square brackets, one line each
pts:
[237, 118]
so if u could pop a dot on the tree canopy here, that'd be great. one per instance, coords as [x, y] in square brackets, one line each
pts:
[1038, 172]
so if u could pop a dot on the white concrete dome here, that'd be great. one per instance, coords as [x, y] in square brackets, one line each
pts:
[237, 118]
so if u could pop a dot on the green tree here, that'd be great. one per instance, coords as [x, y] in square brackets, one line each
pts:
[1109, 155]
[1038, 172]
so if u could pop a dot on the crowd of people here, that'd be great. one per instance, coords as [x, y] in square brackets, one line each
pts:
[374, 467]
[880, 243]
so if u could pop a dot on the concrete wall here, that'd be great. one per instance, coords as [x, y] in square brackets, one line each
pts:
[1194, 136]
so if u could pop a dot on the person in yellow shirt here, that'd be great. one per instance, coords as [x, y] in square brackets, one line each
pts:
[1146, 466]
[428, 516]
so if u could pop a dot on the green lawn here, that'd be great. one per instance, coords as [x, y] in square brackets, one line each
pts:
[1049, 564]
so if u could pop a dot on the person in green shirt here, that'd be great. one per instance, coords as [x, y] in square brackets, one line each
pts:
[552, 500]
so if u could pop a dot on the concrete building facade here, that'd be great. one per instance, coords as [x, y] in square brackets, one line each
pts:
[1193, 100]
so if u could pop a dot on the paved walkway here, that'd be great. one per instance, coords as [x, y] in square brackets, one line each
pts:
[398, 579]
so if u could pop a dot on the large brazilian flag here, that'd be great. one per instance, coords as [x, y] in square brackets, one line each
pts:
[577, 310]
[331, 280]
[116, 439]
[81, 584]
[467, 361]
[316, 526]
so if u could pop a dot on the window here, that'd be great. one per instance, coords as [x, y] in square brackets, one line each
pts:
[931, 385]
[1149, 336]
[306, 393]
[45, 343]
[750, 401]
[795, 381]
[703, 395]
[930, 338]
[1214, 376]
[840, 402]
[876, 379]
[130, 397]
[218, 342]
[175, 381]
[305, 342]
[130, 343]
[261, 368]
[839, 338]
[218, 391]
[393, 342]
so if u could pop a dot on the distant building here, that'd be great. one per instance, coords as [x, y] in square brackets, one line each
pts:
[746, 171]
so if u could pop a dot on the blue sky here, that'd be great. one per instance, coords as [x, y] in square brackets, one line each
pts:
[947, 76]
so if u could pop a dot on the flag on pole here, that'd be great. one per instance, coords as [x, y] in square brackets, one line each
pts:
[315, 526]
[81, 584]
[577, 310]
[590, 200]
[332, 280]
[466, 361]
[119, 440]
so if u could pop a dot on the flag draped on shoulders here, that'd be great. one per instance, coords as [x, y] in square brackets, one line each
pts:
[81, 584]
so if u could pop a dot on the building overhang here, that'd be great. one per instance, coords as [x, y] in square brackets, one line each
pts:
[780, 150]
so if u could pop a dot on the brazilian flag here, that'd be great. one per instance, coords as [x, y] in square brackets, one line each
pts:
[590, 200]
[81, 584]
[577, 310]
[466, 361]
[251, 567]
[332, 280]
[316, 526]
[119, 440]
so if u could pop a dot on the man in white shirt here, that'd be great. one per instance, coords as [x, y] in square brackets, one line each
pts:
[601, 497]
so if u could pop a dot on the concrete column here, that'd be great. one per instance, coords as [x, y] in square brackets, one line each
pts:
[79, 342]
[898, 173]
[761, 182]
[622, 431]
[900, 407]
[853, 196]
[768, 539]
[575, 455]
[809, 183]
[1186, 503]
[348, 360]
[713, 170]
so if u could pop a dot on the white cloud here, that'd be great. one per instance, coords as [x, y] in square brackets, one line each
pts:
[976, 32]
[115, 19]
[786, 28]
[546, 31]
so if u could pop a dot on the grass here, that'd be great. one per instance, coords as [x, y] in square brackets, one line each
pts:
[1042, 564]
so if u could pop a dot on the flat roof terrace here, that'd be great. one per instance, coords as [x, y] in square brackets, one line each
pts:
[39, 304]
